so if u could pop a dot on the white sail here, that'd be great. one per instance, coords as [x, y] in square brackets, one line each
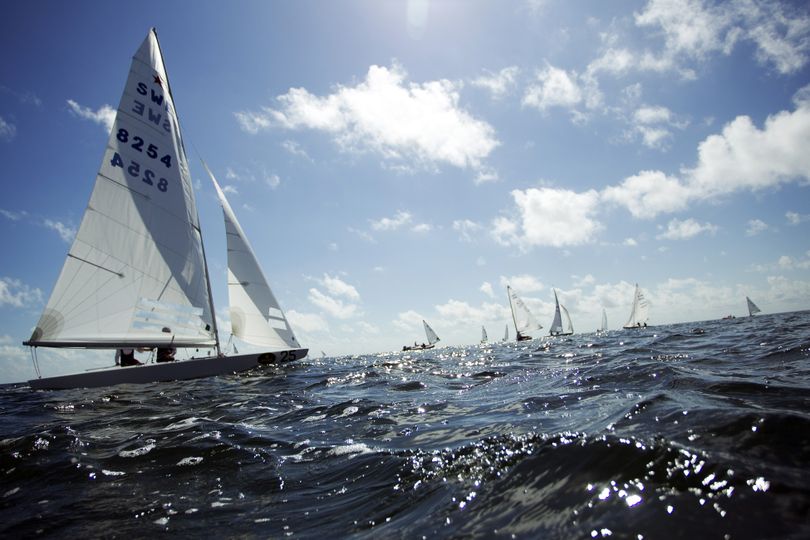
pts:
[256, 316]
[506, 333]
[638, 315]
[431, 335]
[525, 323]
[569, 326]
[483, 335]
[135, 273]
[556, 324]
[752, 307]
[603, 328]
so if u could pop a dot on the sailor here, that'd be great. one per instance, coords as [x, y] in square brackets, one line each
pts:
[126, 357]
[165, 354]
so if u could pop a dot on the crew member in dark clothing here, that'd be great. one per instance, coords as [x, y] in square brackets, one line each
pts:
[126, 357]
[165, 354]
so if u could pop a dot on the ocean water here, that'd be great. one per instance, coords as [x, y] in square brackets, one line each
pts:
[698, 430]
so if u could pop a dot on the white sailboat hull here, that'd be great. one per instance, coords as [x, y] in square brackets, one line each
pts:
[170, 371]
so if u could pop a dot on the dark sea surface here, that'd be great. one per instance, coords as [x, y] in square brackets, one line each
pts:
[696, 430]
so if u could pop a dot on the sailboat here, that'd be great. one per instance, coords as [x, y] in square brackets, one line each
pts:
[506, 333]
[483, 335]
[557, 325]
[136, 274]
[752, 307]
[432, 338]
[603, 328]
[638, 315]
[525, 323]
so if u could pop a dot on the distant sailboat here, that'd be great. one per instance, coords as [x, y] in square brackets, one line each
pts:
[557, 324]
[525, 323]
[483, 335]
[752, 307]
[432, 339]
[506, 333]
[638, 315]
[603, 328]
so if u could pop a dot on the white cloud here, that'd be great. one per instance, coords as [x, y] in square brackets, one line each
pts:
[338, 287]
[104, 116]
[688, 228]
[307, 322]
[553, 87]
[498, 84]
[295, 149]
[66, 232]
[794, 218]
[333, 306]
[408, 321]
[466, 229]
[550, 217]
[272, 180]
[455, 312]
[386, 115]
[695, 29]
[654, 123]
[17, 294]
[391, 224]
[229, 189]
[486, 288]
[755, 226]
[524, 283]
[7, 130]
[16, 216]
[631, 242]
[422, 228]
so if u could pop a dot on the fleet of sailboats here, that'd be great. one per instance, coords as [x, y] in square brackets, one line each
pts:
[136, 274]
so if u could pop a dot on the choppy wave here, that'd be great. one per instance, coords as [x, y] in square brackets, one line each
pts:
[683, 431]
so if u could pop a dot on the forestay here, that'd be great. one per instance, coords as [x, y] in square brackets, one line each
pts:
[135, 273]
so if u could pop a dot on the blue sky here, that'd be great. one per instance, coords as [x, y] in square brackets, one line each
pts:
[394, 161]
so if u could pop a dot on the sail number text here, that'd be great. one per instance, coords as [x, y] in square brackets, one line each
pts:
[134, 169]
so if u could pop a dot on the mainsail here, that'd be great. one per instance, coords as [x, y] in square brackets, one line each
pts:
[557, 324]
[431, 335]
[525, 323]
[603, 328]
[256, 316]
[569, 326]
[638, 315]
[136, 273]
[752, 307]
[483, 335]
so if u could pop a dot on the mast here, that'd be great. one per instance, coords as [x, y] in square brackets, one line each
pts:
[197, 226]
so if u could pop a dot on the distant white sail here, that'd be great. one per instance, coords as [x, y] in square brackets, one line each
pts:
[483, 335]
[752, 307]
[431, 335]
[639, 313]
[135, 274]
[569, 326]
[256, 316]
[506, 333]
[525, 323]
[603, 328]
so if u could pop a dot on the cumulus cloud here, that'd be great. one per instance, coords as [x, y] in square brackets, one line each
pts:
[104, 116]
[333, 306]
[524, 283]
[455, 312]
[755, 226]
[393, 223]
[498, 84]
[408, 321]
[15, 293]
[385, 114]
[555, 87]
[307, 322]
[794, 218]
[338, 287]
[466, 229]
[688, 228]
[549, 217]
[696, 29]
[654, 124]
[486, 288]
